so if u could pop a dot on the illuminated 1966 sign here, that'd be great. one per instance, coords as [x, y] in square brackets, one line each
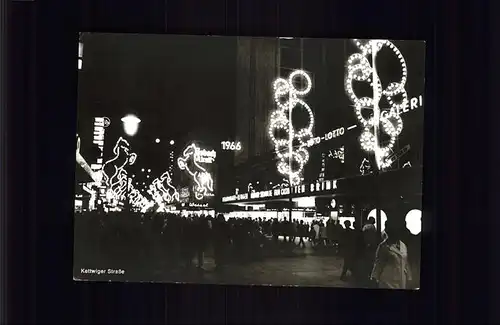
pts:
[231, 145]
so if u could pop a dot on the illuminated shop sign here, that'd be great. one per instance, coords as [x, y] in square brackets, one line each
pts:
[198, 205]
[316, 187]
[204, 184]
[100, 123]
[204, 156]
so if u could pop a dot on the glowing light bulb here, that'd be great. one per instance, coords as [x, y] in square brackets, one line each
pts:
[172, 142]
[157, 140]
[131, 124]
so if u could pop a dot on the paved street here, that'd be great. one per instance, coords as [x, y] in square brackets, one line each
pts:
[304, 270]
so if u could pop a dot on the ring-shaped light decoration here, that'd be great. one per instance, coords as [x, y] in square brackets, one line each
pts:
[285, 88]
[359, 69]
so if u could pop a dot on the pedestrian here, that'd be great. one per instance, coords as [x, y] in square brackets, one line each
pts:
[391, 268]
[347, 250]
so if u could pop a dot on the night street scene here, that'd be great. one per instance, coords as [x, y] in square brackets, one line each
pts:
[249, 161]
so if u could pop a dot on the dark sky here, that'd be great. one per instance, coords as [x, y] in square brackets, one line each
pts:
[174, 84]
[185, 87]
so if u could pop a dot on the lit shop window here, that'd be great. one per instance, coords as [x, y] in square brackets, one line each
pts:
[414, 221]
[383, 218]
[80, 56]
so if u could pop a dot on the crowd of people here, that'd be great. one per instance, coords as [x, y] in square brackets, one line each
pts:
[170, 241]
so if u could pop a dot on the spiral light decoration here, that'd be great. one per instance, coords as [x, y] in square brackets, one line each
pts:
[280, 121]
[360, 69]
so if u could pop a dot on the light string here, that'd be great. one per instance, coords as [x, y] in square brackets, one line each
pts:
[360, 69]
[279, 120]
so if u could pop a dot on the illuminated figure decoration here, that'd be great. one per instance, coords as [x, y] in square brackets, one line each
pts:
[114, 174]
[407, 165]
[204, 184]
[96, 176]
[337, 154]
[163, 195]
[137, 200]
[386, 119]
[365, 167]
[171, 194]
[281, 121]
[157, 195]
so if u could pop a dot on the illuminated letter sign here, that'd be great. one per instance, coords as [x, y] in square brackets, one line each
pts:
[388, 120]
[204, 185]
[280, 120]
[204, 156]
[100, 123]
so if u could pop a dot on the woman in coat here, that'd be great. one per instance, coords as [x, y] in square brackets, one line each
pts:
[391, 268]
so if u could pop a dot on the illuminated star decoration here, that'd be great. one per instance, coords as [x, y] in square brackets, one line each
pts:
[280, 121]
[117, 182]
[203, 180]
[360, 69]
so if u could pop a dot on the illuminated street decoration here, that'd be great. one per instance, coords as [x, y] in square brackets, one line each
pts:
[365, 167]
[280, 120]
[114, 174]
[137, 200]
[388, 120]
[157, 196]
[162, 190]
[96, 176]
[204, 185]
[337, 154]
[171, 194]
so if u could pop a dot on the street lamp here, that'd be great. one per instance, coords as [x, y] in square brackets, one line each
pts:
[172, 142]
[157, 140]
[131, 124]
